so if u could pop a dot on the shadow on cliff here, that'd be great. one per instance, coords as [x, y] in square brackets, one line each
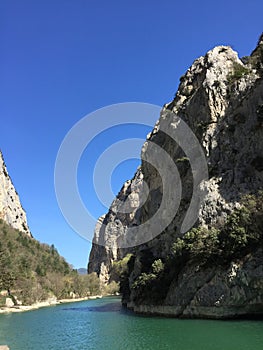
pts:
[238, 156]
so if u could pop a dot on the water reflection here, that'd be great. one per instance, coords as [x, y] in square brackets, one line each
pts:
[110, 307]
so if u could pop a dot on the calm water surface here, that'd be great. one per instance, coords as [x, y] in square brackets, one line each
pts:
[103, 324]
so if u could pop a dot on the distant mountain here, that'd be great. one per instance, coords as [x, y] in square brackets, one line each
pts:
[82, 271]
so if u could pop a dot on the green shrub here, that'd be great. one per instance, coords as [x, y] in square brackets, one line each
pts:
[178, 247]
[112, 288]
[120, 268]
[143, 280]
[238, 72]
[182, 160]
[242, 231]
[157, 266]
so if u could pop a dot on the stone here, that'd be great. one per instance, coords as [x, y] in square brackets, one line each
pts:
[11, 210]
[223, 109]
[9, 302]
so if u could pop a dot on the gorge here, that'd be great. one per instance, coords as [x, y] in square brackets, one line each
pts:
[215, 268]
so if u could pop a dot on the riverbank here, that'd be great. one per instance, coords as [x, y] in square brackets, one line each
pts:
[47, 303]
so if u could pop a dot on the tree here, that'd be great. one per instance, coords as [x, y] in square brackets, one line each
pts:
[7, 276]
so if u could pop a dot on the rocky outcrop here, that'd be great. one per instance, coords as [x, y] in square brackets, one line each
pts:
[230, 291]
[11, 210]
[111, 226]
[221, 99]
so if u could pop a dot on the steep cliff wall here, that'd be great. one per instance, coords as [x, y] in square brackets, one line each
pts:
[221, 99]
[11, 210]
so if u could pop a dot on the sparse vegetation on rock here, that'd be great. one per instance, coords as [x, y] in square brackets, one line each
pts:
[214, 269]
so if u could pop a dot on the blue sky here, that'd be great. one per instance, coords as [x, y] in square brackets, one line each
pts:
[63, 59]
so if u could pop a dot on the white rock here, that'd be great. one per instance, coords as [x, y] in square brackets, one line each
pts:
[9, 302]
[11, 210]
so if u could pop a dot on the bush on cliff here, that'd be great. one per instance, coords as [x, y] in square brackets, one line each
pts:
[240, 235]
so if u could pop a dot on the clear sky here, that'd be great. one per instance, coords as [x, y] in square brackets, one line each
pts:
[62, 59]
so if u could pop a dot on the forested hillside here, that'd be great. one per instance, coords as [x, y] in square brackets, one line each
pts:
[31, 271]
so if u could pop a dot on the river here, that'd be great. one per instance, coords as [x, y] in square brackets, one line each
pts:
[103, 325]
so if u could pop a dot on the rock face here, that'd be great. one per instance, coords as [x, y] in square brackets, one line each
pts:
[11, 210]
[221, 99]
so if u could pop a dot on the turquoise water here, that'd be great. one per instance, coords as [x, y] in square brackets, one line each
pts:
[103, 324]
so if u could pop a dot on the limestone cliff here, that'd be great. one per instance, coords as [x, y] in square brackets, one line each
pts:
[221, 99]
[11, 210]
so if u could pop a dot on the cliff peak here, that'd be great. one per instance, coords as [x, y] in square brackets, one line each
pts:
[220, 98]
[11, 210]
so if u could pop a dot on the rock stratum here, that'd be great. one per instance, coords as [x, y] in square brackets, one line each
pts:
[11, 210]
[215, 268]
